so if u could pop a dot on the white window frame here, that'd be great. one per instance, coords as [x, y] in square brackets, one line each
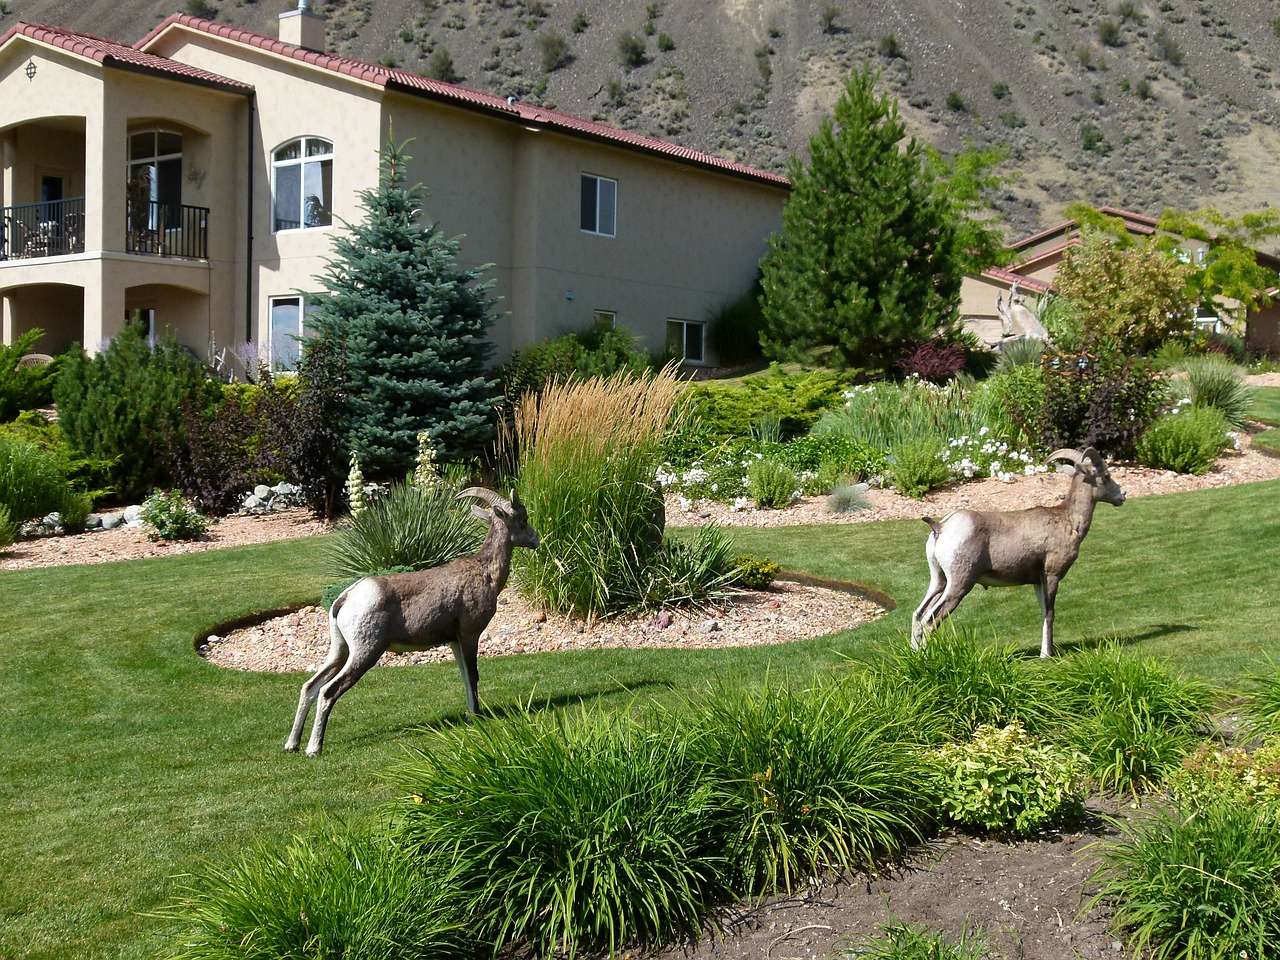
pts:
[682, 329]
[599, 198]
[311, 172]
[604, 319]
[282, 359]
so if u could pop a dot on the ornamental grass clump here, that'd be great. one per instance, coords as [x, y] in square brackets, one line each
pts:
[568, 832]
[1214, 381]
[1131, 715]
[771, 484]
[1195, 886]
[588, 453]
[824, 778]
[328, 895]
[33, 482]
[404, 528]
[918, 466]
[964, 682]
[901, 941]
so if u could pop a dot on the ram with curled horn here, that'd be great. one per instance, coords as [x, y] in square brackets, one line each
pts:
[450, 604]
[1036, 546]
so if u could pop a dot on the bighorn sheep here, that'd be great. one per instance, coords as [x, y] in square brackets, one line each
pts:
[1003, 549]
[449, 604]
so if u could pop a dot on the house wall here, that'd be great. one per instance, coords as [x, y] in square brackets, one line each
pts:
[688, 240]
[1262, 330]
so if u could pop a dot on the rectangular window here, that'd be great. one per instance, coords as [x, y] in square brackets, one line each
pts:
[287, 328]
[599, 205]
[146, 316]
[686, 339]
[604, 319]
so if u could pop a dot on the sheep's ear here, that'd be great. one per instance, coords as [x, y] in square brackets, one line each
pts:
[480, 513]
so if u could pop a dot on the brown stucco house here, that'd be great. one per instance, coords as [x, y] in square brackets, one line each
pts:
[1034, 265]
[197, 177]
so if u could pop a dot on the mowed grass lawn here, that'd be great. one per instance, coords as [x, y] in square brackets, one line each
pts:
[126, 759]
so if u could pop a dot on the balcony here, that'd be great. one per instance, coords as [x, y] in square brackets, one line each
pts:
[55, 228]
[167, 230]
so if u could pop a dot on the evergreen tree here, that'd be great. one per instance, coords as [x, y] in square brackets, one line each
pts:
[871, 254]
[411, 326]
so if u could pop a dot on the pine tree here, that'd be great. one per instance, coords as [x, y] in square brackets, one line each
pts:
[412, 327]
[869, 261]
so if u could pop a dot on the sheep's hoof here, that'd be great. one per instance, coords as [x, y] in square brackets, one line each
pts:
[290, 747]
[313, 751]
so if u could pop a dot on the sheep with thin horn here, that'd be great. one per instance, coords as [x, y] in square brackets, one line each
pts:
[994, 548]
[450, 604]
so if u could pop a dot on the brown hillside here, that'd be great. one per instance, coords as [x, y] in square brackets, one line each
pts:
[1140, 104]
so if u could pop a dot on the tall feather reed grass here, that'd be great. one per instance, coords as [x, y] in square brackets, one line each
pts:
[587, 454]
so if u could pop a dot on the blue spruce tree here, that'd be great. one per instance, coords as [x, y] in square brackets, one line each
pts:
[411, 327]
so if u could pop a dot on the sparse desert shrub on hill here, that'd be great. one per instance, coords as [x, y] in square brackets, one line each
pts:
[554, 49]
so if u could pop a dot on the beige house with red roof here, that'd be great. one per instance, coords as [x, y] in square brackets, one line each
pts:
[197, 178]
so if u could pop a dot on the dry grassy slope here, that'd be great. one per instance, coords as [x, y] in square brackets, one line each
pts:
[751, 79]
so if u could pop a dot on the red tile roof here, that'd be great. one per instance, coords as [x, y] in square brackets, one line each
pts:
[403, 80]
[1135, 222]
[1011, 276]
[112, 54]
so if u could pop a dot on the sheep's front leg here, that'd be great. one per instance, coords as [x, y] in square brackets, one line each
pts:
[466, 652]
[1046, 593]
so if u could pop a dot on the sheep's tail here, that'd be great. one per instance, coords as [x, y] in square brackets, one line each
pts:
[934, 525]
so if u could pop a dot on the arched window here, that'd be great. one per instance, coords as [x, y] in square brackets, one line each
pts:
[302, 184]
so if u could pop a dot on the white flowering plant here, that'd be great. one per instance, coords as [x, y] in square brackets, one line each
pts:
[973, 457]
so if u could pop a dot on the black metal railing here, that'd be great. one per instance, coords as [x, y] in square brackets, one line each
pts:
[52, 228]
[167, 230]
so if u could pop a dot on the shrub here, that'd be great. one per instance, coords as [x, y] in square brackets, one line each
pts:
[1195, 886]
[580, 22]
[681, 573]
[554, 49]
[405, 527]
[734, 331]
[1012, 403]
[936, 361]
[1185, 441]
[1214, 381]
[771, 484]
[734, 409]
[825, 778]
[889, 47]
[32, 481]
[754, 573]
[1228, 775]
[8, 529]
[1262, 702]
[440, 66]
[568, 834]
[1005, 781]
[330, 894]
[631, 49]
[24, 387]
[168, 516]
[665, 43]
[917, 466]
[598, 352]
[1020, 352]
[118, 405]
[1103, 402]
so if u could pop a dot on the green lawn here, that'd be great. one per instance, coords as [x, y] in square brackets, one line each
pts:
[126, 758]
[1266, 409]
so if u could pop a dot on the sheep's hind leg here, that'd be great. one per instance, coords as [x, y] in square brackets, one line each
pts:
[937, 584]
[357, 666]
[944, 606]
[310, 690]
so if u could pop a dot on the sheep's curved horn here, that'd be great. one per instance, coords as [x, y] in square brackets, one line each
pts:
[495, 500]
[1095, 458]
[1071, 456]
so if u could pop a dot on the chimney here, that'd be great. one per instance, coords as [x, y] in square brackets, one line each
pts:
[302, 28]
